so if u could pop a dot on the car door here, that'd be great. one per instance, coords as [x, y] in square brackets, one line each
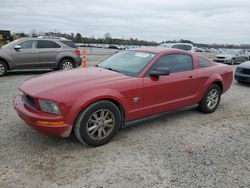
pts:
[240, 56]
[243, 56]
[26, 56]
[48, 52]
[176, 90]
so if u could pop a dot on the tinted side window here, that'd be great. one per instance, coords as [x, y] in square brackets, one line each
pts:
[175, 62]
[27, 44]
[68, 43]
[47, 44]
[203, 62]
[240, 52]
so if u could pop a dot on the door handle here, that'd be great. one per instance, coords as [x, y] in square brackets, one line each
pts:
[36, 51]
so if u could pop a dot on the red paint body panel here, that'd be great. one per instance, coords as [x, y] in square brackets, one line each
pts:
[74, 90]
[31, 116]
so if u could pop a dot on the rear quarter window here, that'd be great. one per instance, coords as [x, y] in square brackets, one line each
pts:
[47, 44]
[204, 62]
[68, 43]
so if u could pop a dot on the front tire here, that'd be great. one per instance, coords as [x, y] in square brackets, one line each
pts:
[66, 64]
[211, 99]
[98, 123]
[3, 69]
[233, 61]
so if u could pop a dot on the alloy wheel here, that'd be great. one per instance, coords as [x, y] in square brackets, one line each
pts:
[2, 69]
[212, 99]
[67, 65]
[100, 124]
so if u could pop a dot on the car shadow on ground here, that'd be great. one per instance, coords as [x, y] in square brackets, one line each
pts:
[164, 117]
[247, 85]
[41, 140]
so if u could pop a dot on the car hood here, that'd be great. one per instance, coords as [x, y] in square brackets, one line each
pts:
[225, 55]
[245, 65]
[52, 85]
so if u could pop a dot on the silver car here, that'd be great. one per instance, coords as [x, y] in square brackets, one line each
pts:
[39, 53]
[232, 57]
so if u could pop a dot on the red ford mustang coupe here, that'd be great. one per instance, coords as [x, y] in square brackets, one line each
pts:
[129, 86]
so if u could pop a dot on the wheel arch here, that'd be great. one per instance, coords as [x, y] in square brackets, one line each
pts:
[114, 101]
[90, 98]
[215, 79]
[6, 63]
[220, 84]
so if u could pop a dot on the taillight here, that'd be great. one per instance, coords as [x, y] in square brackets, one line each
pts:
[77, 52]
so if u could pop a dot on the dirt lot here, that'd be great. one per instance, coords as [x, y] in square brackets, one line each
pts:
[185, 149]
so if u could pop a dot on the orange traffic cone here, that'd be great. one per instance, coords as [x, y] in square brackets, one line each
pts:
[84, 60]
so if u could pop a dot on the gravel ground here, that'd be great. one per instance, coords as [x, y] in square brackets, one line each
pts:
[185, 149]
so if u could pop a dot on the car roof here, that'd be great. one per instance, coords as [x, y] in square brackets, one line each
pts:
[177, 43]
[158, 50]
[52, 39]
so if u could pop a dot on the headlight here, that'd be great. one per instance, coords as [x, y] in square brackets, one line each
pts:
[49, 106]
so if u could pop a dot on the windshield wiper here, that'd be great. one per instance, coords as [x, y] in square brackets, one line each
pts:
[109, 68]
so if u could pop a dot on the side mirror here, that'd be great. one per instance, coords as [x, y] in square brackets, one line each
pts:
[17, 47]
[160, 71]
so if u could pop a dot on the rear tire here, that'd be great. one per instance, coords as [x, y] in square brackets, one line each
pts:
[66, 64]
[211, 99]
[3, 68]
[98, 123]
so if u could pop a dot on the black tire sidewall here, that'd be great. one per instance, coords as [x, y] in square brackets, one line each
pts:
[5, 67]
[84, 116]
[203, 104]
[63, 61]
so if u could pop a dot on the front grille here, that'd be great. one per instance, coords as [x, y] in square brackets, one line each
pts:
[29, 100]
[245, 71]
[219, 61]
[220, 57]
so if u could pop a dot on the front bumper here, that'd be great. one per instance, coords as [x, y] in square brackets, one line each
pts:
[34, 118]
[226, 61]
[242, 77]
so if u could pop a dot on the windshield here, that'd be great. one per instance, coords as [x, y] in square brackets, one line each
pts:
[230, 52]
[130, 63]
[11, 44]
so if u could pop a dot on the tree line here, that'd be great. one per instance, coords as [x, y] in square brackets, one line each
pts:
[108, 39]
[78, 38]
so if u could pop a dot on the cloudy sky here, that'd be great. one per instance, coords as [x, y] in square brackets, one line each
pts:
[212, 21]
